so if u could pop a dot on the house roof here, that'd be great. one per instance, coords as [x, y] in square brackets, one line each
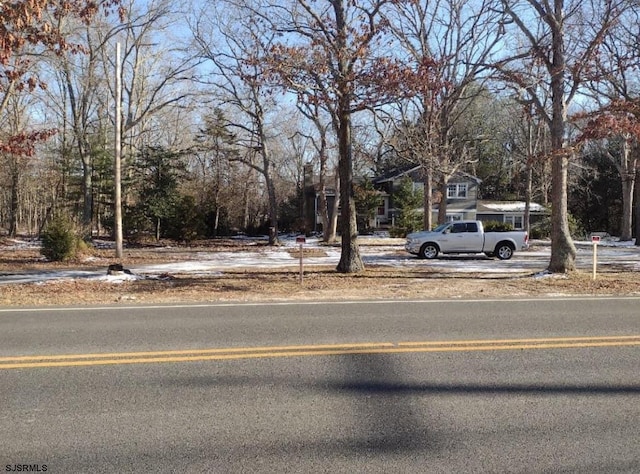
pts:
[508, 206]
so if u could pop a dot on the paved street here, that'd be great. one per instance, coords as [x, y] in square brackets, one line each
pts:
[452, 386]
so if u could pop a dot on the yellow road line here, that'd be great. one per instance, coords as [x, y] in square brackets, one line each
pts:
[229, 350]
[553, 340]
[77, 360]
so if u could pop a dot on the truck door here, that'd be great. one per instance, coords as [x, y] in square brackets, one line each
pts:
[456, 240]
[473, 238]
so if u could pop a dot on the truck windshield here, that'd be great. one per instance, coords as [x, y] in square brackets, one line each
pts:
[441, 227]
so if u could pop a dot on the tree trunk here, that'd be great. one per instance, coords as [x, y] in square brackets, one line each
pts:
[79, 129]
[87, 191]
[427, 218]
[14, 206]
[442, 207]
[273, 212]
[528, 191]
[637, 206]
[628, 186]
[527, 199]
[216, 221]
[323, 207]
[323, 210]
[350, 260]
[271, 190]
[563, 252]
[333, 223]
[627, 174]
[245, 200]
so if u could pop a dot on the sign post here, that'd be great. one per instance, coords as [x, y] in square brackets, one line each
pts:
[594, 240]
[301, 240]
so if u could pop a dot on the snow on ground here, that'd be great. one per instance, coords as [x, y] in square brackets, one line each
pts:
[374, 251]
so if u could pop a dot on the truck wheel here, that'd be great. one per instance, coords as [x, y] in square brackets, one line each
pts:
[429, 251]
[504, 251]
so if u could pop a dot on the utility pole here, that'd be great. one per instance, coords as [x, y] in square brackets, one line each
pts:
[117, 167]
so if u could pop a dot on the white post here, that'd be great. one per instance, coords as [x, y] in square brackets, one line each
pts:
[117, 170]
[595, 255]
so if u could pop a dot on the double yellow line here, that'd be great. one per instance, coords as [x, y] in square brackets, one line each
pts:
[120, 358]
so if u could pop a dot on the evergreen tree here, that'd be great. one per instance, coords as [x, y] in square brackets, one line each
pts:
[368, 200]
[407, 201]
[158, 173]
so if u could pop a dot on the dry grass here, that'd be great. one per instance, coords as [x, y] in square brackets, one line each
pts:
[318, 283]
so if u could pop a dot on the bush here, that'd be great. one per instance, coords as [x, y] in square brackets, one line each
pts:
[398, 232]
[185, 222]
[407, 201]
[542, 228]
[59, 240]
[495, 226]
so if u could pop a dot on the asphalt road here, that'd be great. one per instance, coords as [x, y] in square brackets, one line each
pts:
[453, 386]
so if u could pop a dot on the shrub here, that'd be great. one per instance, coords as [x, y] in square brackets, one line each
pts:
[542, 228]
[59, 240]
[398, 232]
[495, 226]
[185, 222]
[407, 201]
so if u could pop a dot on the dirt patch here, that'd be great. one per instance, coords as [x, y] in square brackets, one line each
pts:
[283, 284]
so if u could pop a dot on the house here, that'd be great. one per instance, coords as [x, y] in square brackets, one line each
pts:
[463, 201]
[511, 212]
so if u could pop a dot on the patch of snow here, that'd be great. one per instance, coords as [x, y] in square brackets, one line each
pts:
[380, 252]
[547, 274]
[22, 244]
[118, 278]
[103, 244]
[515, 206]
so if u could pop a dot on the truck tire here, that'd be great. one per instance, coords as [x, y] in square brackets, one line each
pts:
[504, 250]
[429, 251]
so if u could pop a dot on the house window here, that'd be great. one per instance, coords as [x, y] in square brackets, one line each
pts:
[515, 221]
[457, 191]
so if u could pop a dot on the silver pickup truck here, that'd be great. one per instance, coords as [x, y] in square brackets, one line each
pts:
[465, 237]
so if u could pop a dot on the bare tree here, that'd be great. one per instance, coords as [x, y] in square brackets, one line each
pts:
[615, 123]
[234, 47]
[530, 142]
[331, 53]
[83, 100]
[215, 172]
[78, 98]
[313, 112]
[29, 30]
[564, 38]
[457, 38]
